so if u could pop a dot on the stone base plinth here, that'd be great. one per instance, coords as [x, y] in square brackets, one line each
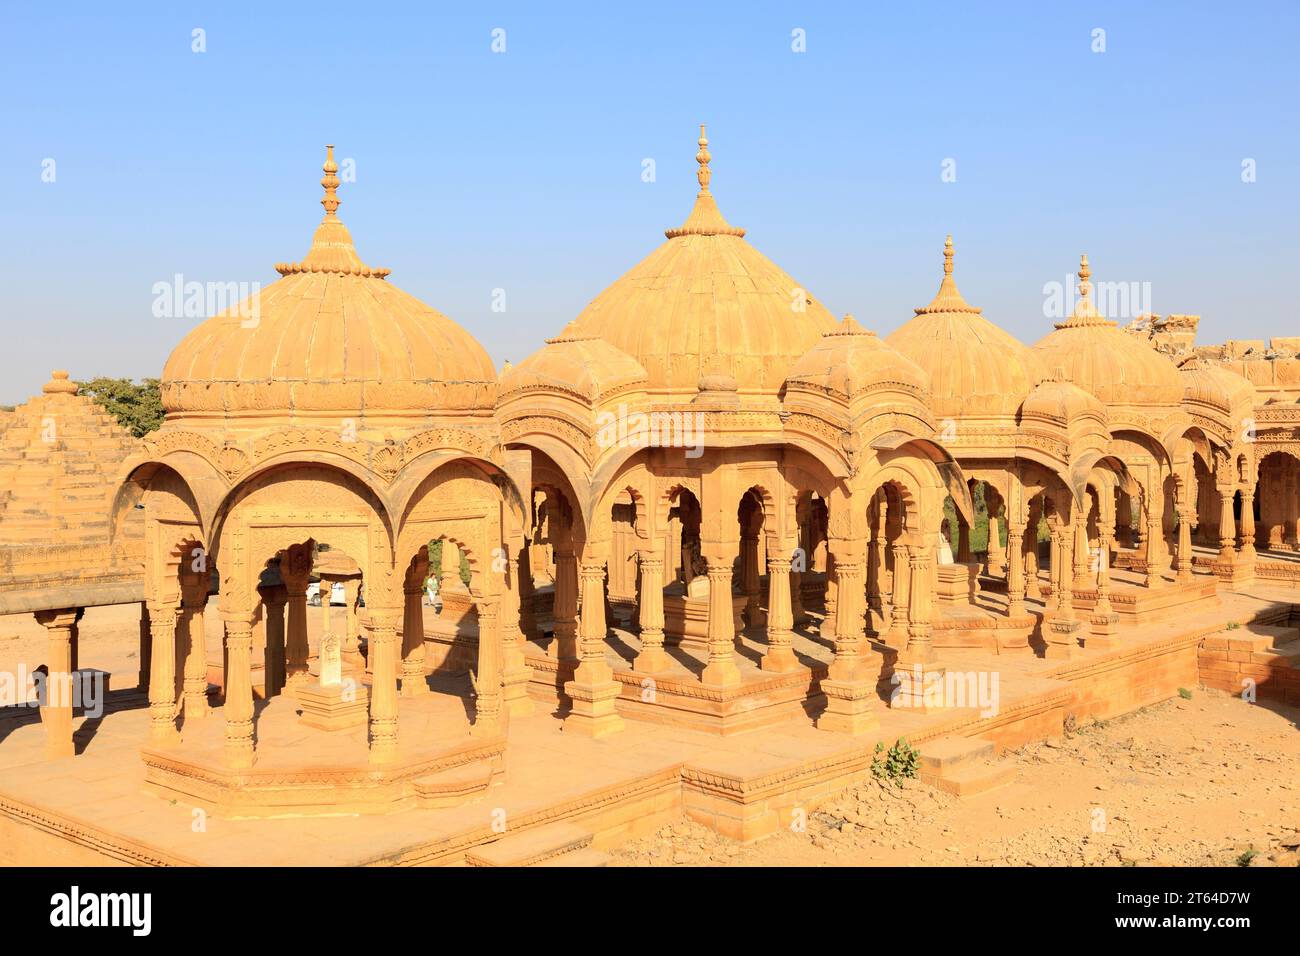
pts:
[956, 584]
[1061, 638]
[967, 626]
[1232, 572]
[686, 619]
[849, 707]
[593, 713]
[301, 772]
[340, 707]
[1103, 631]
[673, 698]
[1139, 605]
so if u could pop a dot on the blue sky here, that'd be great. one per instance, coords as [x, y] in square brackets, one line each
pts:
[522, 170]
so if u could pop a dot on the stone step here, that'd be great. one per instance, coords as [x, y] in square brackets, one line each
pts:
[970, 779]
[584, 857]
[1253, 640]
[455, 786]
[1285, 655]
[962, 766]
[944, 754]
[531, 847]
[1278, 634]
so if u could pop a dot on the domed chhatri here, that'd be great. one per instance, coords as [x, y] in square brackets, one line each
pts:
[1223, 391]
[330, 337]
[1094, 353]
[708, 305]
[975, 368]
[851, 362]
[577, 363]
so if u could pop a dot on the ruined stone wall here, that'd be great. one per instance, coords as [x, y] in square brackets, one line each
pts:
[60, 455]
[1271, 365]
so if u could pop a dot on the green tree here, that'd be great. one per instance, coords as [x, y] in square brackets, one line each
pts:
[136, 406]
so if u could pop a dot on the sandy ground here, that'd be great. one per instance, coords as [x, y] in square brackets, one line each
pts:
[1210, 781]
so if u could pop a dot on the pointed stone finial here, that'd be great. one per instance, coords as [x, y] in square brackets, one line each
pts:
[331, 182]
[704, 175]
[331, 249]
[948, 298]
[849, 326]
[705, 218]
[1085, 312]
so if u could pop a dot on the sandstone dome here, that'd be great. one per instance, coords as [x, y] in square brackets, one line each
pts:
[850, 362]
[577, 363]
[1224, 391]
[330, 338]
[1060, 403]
[1118, 368]
[975, 368]
[708, 305]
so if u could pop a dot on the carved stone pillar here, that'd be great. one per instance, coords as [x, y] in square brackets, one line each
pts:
[515, 672]
[273, 602]
[918, 665]
[1030, 556]
[56, 708]
[381, 634]
[1246, 540]
[721, 669]
[414, 680]
[920, 605]
[1055, 565]
[194, 599]
[997, 558]
[963, 542]
[779, 656]
[750, 579]
[449, 571]
[876, 567]
[832, 595]
[295, 570]
[849, 631]
[1015, 571]
[593, 689]
[902, 587]
[565, 646]
[1033, 583]
[162, 673]
[652, 658]
[1227, 527]
[527, 617]
[350, 651]
[1155, 539]
[1062, 625]
[1083, 579]
[1183, 565]
[1104, 621]
[848, 687]
[798, 612]
[238, 707]
[490, 714]
[146, 649]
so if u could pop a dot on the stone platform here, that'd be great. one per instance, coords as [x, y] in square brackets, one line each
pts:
[302, 770]
[1138, 604]
[95, 808]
